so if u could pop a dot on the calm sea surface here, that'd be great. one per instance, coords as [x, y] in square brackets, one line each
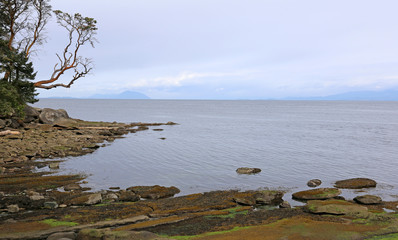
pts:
[291, 141]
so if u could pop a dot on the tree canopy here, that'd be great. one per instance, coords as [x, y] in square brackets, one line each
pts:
[22, 25]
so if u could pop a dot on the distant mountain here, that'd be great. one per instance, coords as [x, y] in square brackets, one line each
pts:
[123, 95]
[387, 95]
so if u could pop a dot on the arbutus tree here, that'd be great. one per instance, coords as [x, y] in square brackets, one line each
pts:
[22, 29]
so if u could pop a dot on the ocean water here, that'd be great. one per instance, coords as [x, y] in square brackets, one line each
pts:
[291, 141]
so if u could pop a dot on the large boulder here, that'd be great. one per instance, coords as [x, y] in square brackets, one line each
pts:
[317, 194]
[89, 199]
[154, 192]
[337, 207]
[49, 116]
[31, 114]
[368, 199]
[269, 197]
[356, 183]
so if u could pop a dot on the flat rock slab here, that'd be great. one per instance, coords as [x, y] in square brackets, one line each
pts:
[356, 183]
[246, 170]
[91, 234]
[154, 192]
[337, 207]
[317, 194]
[368, 199]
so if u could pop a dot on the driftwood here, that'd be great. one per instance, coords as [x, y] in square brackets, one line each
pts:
[9, 132]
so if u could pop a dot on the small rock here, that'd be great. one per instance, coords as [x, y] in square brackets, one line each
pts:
[317, 194]
[50, 205]
[356, 183]
[62, 235]
[36, 197]
[13, 208]
[368, 199]
[111, 197]
[63, 206]
[314, 183]
[114, 188]
[72, 187]
[246, 170]
[269, 197]
[54, 165]
[41, 165]
[157, 129]
[285, 204]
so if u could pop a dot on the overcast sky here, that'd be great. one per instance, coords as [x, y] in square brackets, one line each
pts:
[232, 49]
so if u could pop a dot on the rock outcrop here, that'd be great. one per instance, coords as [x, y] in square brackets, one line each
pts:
[356, 183]
[317, 194]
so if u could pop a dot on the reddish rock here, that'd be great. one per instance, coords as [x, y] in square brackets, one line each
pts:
[356, 183]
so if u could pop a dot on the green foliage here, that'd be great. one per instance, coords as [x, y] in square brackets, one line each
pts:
[10, 102]
[16, 90]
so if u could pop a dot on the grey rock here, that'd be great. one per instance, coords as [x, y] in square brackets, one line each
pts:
[111, 197]
[36, 197]
[31, 114]
[72, 187]
[62, 235]
[285, 204]
[51, 205]
[2, 124]
[49, 116]
[269, 197]
[94, 199]
[368, 199]
[13, 208]
[54, 165]
[246, 170]
[314, 183]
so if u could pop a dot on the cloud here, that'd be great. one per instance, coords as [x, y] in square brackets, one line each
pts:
[184, 78]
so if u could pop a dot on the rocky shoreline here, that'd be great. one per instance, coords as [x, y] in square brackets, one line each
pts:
[36, 204]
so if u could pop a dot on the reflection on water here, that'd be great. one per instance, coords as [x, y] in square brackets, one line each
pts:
[291, 141]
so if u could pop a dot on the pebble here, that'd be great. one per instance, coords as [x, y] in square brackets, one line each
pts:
[51, 205]
[13, 208]
[314, 183]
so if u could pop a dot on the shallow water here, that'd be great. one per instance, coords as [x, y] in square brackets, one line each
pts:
[291, 141]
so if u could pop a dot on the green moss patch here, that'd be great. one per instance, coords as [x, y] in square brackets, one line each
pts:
[55, 223]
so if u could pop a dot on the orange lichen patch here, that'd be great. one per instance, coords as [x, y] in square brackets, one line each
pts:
[23, 182]
[152, 223]
[19, 227]
[113, 211]
[297, 228]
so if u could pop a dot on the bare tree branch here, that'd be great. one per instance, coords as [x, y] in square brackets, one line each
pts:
[80, 31]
